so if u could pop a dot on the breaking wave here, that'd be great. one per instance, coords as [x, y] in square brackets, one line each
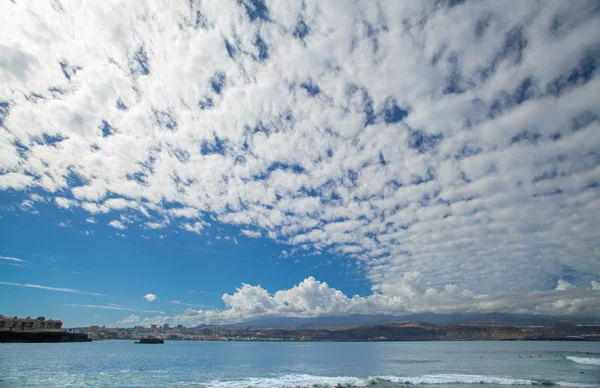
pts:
[585, 360]
[295, 381]
[310, 381]
[458, 379]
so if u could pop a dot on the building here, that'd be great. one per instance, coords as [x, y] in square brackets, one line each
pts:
[29, 324]
[153, 327]
[166, 326]
[94, 329]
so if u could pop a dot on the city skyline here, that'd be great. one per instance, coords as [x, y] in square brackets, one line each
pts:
[216, 162]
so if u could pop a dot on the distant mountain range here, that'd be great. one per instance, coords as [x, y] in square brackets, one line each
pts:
[331, 322]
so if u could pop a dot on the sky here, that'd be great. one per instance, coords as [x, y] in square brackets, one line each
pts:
[191, 162]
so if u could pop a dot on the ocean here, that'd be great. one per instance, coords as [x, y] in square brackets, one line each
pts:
[260, 364]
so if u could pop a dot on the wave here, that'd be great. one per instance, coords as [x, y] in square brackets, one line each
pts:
[585, 360]
[457, 379]
[295, 381]
[310, 381]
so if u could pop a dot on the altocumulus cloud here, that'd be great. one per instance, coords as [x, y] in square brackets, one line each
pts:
[423, 142]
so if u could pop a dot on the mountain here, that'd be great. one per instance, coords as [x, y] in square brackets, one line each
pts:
[332, 322]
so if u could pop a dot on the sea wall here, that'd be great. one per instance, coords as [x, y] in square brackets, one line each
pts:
[47, 336]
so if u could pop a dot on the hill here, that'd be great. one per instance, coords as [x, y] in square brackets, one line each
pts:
[337, 322]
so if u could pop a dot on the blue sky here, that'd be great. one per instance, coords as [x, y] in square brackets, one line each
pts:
[198, 162]
[173, 264]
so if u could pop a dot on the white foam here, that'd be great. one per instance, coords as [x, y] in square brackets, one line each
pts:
[585, 360]
[456, 379]
[310, 381]
[289, 381]
[576, 385]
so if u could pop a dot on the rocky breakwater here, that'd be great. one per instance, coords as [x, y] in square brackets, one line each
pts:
[42, 336]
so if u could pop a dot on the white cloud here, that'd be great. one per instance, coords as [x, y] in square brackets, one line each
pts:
[129, 321]
[117, 224]
[251, 233]
[563, 285]
[15, 264]
[154, 225]
[109, 306]
[404, 136]
[196, 227]
[26, 205]
[102, 307]
[64, 203]
[60, 289]
[186, 304]
[12, 259]
[312, 298]
[150, 297]
[185, 213]
[38, 198]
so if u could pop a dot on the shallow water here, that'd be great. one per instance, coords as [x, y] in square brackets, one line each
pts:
[256, 364]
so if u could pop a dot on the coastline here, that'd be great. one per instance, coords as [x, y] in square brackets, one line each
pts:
[41, 337]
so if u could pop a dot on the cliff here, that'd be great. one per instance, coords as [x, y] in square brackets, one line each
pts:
[46, 336]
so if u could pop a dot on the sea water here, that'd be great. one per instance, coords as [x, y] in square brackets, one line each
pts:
[259, 364]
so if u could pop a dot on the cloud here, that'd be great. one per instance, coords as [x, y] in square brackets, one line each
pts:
[60, 289]
[117, 224]
[311, 298]
[12, 259]
[402, 136]
[26, 205]
[187, 304]
[251, 233]
[16, 264]
[112, 307]
[64, 203]
[150, 297]
[196, 227]
[104, 307]
[564, 285]
[155, 225]
[129, 321]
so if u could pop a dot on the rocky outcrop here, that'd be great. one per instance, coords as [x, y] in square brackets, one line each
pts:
[150, 341]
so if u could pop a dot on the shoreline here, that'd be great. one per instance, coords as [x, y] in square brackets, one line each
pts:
[42, 337]
[387, 332]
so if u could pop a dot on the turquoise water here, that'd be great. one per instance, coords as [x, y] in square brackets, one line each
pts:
[256, 364]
